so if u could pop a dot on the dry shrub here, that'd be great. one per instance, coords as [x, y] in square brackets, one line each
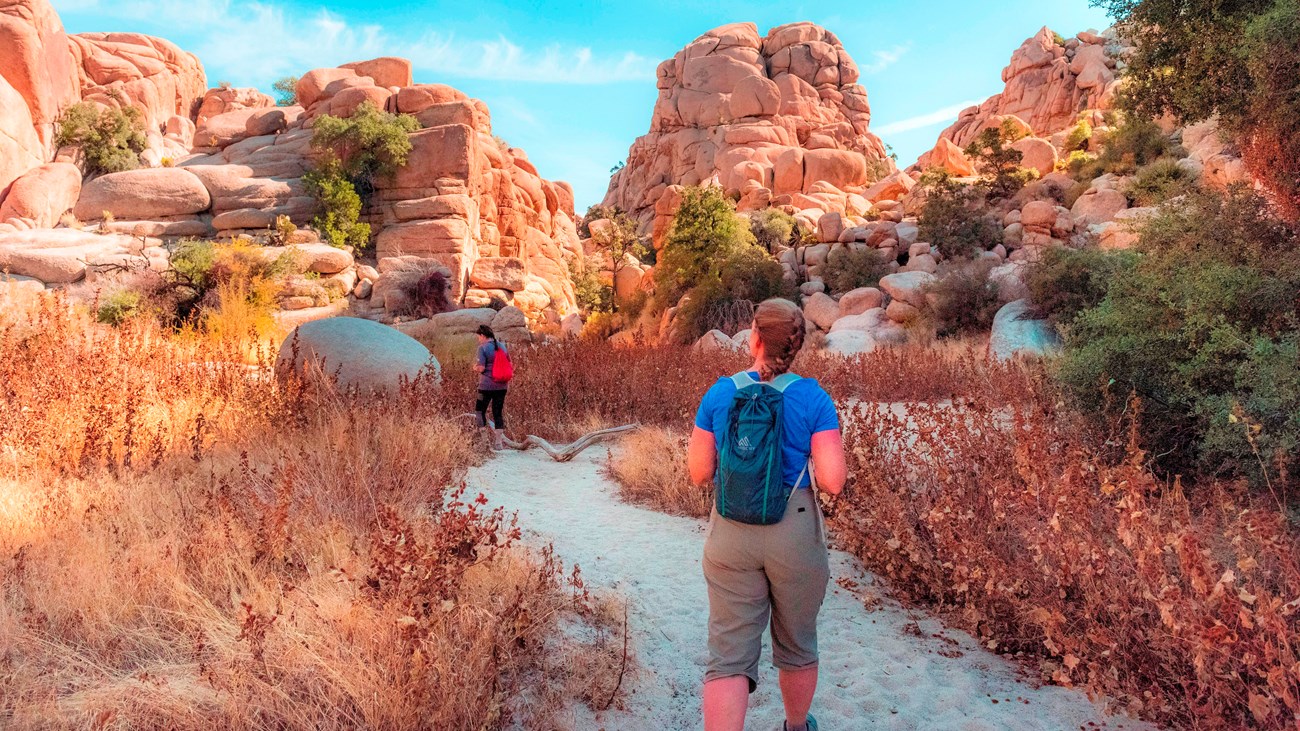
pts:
[186, 544]
[1020, 525]
[650, 468]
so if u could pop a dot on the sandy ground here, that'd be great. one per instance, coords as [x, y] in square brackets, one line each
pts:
[884, 667]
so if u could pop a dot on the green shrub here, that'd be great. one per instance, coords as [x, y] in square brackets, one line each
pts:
[109, 139]
[847, 269]
[705, 232]
[369, 146]
[591, 292]
[1064, 282]
[286, 91]
[965, 299]
[954, 217]
[619, 240]
[772, 227]
[191, 264]
[338, 223]
[1203, 328]
[1158, 182]
[118, 307]
[1078, 138]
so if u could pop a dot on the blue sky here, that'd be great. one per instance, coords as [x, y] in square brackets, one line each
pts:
[573, 83]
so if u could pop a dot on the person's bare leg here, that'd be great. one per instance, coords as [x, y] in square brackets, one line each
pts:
[725, 703]
[797, 689]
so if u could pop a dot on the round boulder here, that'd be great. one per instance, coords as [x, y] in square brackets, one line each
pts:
[358, 353]
[147, 194]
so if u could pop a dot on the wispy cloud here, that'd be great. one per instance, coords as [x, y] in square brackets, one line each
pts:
[252, 42]
[921, 121]
[881, 60]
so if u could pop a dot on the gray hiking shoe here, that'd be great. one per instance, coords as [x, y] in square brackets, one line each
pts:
[811, 723]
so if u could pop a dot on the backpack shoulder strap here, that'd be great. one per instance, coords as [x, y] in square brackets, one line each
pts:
[784, 381]
[743, 380]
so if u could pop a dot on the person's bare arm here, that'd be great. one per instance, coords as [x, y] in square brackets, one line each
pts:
[702, 457]
[828, 461]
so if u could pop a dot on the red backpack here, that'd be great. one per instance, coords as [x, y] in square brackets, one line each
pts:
[502, 369]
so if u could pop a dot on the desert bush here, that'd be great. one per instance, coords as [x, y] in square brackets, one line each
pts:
[1158, 182]
[704, 233]
[1201, 59]
[110, 140]
[726, 301]
[286, 91]
[1135, 142]
[1009, 518]
[772, 228]
[619, 242]
[954, 217]
[338, 222]
[1064, 282]
[848, 268]
[998, 163]
[1198, 328]
[650, 469]
[118, 307]
[369, 146]
[965, 298]
[279, 529]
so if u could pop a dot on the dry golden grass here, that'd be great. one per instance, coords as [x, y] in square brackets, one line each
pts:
[185, 543]
[650, 468]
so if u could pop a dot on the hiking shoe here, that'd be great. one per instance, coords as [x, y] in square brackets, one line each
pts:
[811, 723]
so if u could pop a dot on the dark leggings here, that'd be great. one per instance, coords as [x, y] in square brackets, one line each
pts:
[498, 401]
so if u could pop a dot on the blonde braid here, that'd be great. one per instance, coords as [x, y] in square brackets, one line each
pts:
[781, 328]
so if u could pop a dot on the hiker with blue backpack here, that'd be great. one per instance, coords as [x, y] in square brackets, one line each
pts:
[768, 439]
[495, 370]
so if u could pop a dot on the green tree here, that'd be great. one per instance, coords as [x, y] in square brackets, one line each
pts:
[1238, 60]
[110, 139]
[618, 238]
[772, 227]
[998, 162]
[286, 91]
[369, 146]
[704, 233]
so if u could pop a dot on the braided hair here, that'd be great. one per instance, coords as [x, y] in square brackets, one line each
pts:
[780, 327]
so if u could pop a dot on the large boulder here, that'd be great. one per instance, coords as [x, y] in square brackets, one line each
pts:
[143, 195]
[821, 310]
[1015, 333]
[59, 256]
[908, 287]
[39, 198]
[360, 354]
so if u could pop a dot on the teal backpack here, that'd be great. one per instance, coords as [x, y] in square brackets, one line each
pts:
[751, 485]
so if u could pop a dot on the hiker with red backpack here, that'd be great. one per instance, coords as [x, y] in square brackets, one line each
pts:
[767, 439]
[495, 371]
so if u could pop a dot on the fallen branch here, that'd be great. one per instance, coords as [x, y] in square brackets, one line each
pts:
[568, 451]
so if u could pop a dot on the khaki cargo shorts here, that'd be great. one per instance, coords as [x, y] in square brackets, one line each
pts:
[762, 573]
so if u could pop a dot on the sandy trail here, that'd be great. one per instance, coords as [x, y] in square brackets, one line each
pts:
[886, 668]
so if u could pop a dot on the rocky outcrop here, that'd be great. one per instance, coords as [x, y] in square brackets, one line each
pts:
[1047, 85]
[130, 69]
[40, 198]
[776, 119]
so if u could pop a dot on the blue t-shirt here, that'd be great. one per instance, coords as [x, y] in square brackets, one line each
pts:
[808, 410]
[487, 353]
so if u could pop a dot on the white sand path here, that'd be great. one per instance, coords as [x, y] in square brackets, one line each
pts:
[877, 670]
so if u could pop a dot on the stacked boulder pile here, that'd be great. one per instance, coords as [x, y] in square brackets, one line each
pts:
[775, 120]
[227, 163]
